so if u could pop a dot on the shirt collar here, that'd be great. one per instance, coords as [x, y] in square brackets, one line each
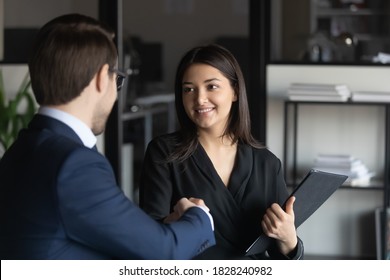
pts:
[80, 128]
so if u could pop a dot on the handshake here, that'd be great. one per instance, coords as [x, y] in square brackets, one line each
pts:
[183, 205]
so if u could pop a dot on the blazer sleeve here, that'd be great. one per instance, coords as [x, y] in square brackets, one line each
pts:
[156, 186]
[97, 214]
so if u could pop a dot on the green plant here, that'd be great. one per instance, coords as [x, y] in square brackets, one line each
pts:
[15, 113]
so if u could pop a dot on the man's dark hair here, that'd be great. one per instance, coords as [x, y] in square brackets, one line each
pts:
[67, 53]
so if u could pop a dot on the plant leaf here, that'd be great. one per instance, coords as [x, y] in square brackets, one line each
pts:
[12, 121]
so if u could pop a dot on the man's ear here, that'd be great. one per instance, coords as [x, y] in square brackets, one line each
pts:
[102, 78]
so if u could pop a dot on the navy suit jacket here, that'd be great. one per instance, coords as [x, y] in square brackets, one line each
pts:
[60, 200]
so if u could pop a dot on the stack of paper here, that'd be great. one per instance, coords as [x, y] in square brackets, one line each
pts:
[318, 92]
[358, 174]
[371, 96]
[381, 57]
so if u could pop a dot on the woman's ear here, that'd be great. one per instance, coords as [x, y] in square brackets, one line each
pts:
[102, 78]
[235, 91]
[235, 97]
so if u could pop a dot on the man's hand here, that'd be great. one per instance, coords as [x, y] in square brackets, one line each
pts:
[183, 205]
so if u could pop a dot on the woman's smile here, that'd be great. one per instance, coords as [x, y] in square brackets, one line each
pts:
[204, 110]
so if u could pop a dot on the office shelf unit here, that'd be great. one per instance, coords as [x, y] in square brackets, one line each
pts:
[291, 108]
[366, 22]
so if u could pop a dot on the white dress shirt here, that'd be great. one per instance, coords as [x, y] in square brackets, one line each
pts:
[80, 128]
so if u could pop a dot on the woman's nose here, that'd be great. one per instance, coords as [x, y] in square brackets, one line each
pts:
[202, 96]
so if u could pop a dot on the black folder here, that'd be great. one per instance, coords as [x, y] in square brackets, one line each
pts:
[310, 194]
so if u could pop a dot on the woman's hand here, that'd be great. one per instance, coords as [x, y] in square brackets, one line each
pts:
[183, 205]
[279, 224]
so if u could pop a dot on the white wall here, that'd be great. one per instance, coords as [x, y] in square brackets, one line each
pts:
[1, 29]
[13, 76]
[343, 226]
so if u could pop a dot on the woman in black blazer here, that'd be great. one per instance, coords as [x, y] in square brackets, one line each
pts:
[213, 156]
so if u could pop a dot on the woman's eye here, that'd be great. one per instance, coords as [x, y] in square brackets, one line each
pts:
[188, 89]
[211, 87]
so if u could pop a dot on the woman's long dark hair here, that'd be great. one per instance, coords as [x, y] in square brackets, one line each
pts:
[238, 127]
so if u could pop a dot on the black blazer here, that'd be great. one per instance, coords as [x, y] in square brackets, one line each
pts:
[256, 182]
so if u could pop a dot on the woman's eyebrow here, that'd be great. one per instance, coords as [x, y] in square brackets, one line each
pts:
[205, 81]
[212, 79]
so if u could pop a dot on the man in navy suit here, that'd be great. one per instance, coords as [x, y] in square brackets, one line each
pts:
[59, 196]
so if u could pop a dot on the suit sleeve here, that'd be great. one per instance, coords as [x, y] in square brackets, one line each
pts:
[96, 213]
